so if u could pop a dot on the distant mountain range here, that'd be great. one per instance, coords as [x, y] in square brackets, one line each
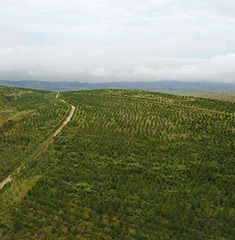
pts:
[161, 86]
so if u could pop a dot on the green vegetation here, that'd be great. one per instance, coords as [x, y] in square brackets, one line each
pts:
[129, 165]
[26, 118]
[224, 96]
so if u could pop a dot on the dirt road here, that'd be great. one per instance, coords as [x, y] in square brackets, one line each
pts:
[68, 118]
[55, 133]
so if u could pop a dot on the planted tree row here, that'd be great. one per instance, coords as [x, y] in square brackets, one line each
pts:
[133, 165]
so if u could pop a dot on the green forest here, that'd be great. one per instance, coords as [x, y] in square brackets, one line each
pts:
[128, 165]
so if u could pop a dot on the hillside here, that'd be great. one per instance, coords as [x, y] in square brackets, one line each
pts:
[129, 165]
[161, 86]
[26, 118]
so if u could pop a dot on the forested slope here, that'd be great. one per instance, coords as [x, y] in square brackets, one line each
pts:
[132, 165]
[26, 118]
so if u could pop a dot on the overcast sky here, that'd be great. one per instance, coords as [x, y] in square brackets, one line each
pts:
[117, 40]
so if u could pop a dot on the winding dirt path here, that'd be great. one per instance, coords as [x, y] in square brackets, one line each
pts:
[5, 181]
[68, 118]
[54, 134]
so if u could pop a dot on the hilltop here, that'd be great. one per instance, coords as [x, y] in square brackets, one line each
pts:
[128, 165]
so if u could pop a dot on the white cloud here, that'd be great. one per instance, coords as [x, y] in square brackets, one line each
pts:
[107, 40]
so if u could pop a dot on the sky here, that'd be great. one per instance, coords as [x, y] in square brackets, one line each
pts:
[117, 40]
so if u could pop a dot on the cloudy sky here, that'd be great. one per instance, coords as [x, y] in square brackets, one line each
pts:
[117, 40]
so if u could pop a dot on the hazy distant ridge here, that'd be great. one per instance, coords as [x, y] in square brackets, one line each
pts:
[176, 86]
